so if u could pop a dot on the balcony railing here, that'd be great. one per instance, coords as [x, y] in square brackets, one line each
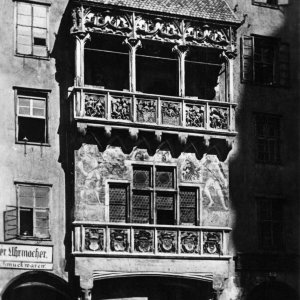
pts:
[153, 111]
[149, 240]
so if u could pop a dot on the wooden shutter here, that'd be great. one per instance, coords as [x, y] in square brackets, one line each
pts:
[11, 224]
[283, 64]
[247, 52]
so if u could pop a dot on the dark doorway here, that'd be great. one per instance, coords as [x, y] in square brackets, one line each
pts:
[151, 288]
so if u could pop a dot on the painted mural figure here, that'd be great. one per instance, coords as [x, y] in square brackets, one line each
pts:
[210, 173]
[88, 166]
[215, 181]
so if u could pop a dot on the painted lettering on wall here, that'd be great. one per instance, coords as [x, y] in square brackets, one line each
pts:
[16, 256]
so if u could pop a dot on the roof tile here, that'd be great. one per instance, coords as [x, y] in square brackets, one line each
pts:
[217, 10]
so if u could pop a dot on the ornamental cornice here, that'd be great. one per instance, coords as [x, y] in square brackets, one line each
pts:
[149, 27]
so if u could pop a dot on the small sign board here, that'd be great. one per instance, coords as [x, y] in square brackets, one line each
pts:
[32, 257]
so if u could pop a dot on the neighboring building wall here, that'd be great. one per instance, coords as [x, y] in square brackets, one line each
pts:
[250, 180]
[31, 163]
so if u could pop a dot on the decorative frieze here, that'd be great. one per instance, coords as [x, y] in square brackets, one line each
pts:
[189, 242]
[150, 27]
[94, 239]
[143, 240]
[119, 240]
[171, 113]
[120, 108]
[146, 111]
[219, 118]
[195, 115]
[212, 242]
[207, 34]
[95, 106]
[167, 241]
[107, 22]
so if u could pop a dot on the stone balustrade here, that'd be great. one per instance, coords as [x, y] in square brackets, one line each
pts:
[150, 240]
[155, 111]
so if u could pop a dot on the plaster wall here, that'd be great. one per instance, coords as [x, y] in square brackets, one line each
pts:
[40, 163]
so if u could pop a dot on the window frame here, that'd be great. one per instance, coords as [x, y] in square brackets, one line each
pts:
[22, 92]
[153, 190]
[272, 247]
[16, 24]
[277, 5]
[249, 61]
[267, 138]
[17, 215]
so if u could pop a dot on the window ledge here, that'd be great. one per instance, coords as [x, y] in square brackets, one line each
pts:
[272, 6]
[32, 238]
[32, 56]
[33, 144]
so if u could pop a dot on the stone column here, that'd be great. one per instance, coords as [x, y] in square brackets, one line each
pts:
[81, 39]
[181, 51]
[133, 44]
[218, 286]
[229, 56]
[86, 285]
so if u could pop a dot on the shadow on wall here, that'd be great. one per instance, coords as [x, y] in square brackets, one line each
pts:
[63, 53]
[265, 194]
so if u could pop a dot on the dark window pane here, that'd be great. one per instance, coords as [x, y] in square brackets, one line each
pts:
[26, 222]
[109, 70]
[32, 129]
[117, 203]
[39, 41]
[141, 177]
[164, 178]
[141, 203]
[188, 199]
[157, 69]
[165, 213]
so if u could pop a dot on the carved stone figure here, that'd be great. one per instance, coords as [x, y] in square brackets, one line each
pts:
[212, 243]
[94, 239]
[166, 241]
[189, 242]
[143, 241]
[119, 240]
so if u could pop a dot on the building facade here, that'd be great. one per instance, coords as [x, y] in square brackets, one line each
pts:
[146, 153]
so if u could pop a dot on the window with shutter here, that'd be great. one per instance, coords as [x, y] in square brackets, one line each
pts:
[247, 52]
[32, 29]
[30, 218]
[264, 61]
[11, 223]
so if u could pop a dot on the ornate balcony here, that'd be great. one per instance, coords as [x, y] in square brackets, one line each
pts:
[101, 107]
[110, 239]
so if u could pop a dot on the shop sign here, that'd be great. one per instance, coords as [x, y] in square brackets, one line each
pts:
[33, 257]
